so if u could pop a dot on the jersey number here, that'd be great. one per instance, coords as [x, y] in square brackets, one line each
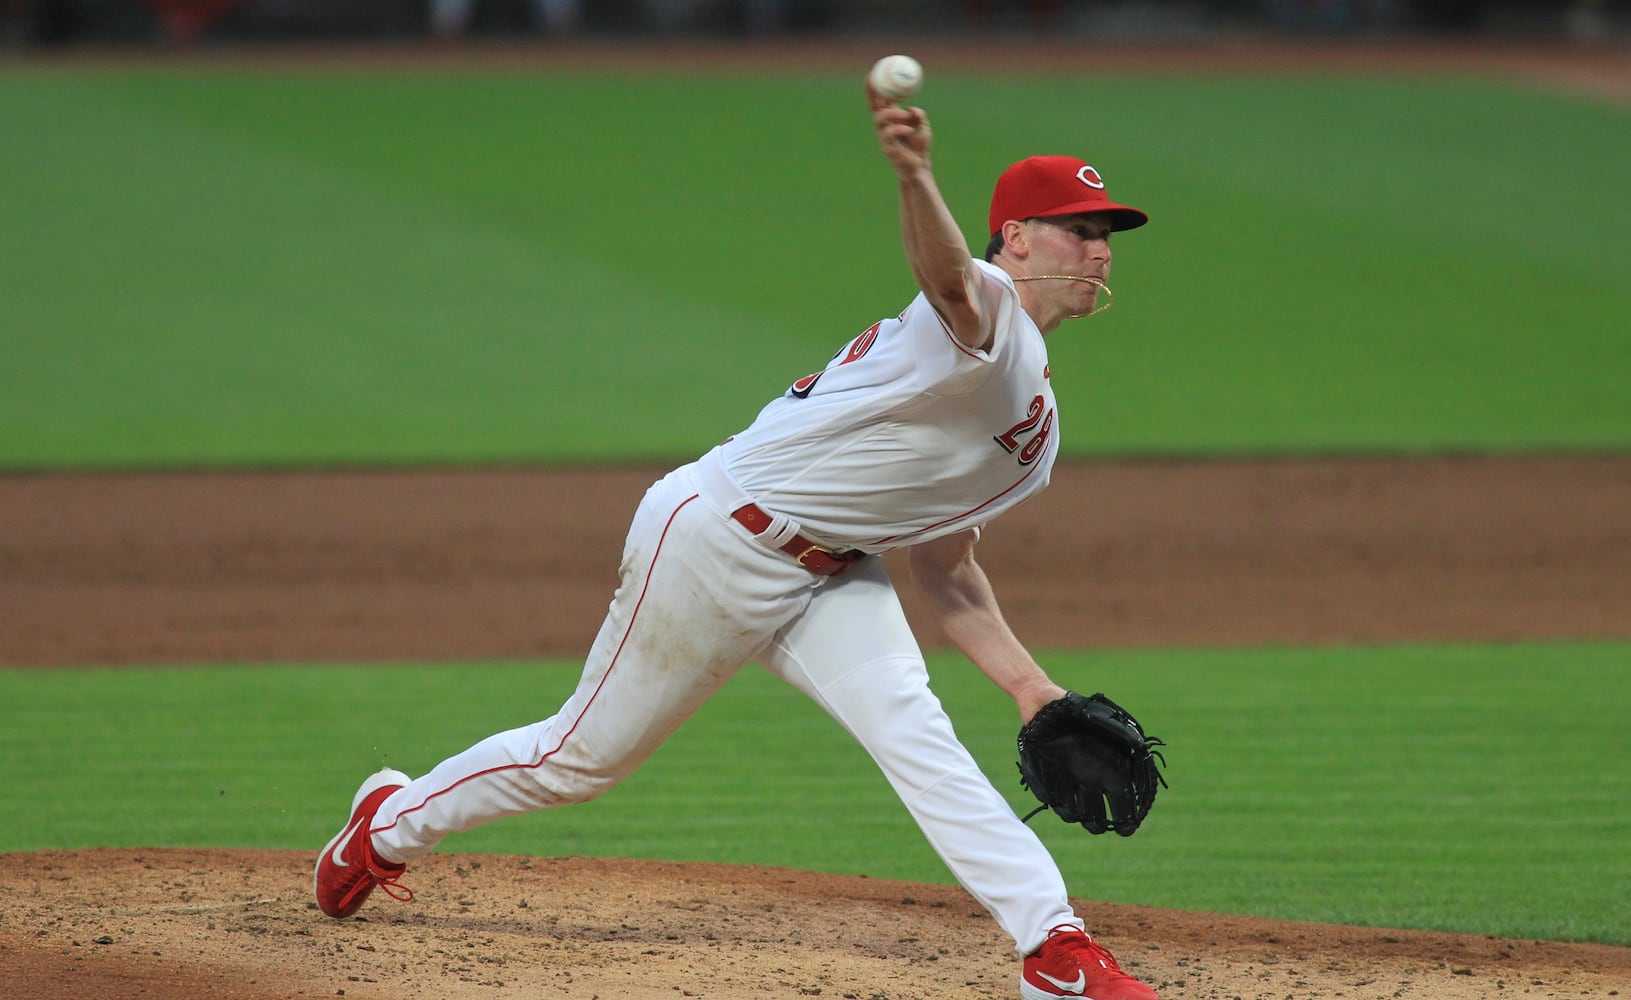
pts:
[1035, 420]
[854, 351]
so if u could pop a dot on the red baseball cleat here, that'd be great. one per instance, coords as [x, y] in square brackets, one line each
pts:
[1071, 964]
[347, 870]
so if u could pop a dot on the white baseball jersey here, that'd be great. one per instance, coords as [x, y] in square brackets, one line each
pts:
[904, 436]
[907, 434]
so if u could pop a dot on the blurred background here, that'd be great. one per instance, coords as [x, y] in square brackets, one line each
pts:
[64, 23]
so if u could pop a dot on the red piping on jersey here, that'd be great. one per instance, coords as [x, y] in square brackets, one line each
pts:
[967, 513]
[568, 735]
[971, 352]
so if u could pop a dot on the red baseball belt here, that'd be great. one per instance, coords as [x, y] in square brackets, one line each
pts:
[818, 559]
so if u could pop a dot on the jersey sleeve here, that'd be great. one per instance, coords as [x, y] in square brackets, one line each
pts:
[947, 364]
[999, 302]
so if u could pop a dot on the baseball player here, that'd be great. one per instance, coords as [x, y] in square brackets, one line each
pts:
[917, 432]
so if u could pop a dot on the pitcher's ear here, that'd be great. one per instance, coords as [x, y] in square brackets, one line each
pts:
[1016, 238]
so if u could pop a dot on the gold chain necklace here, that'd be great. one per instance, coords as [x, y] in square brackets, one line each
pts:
[1098, 306]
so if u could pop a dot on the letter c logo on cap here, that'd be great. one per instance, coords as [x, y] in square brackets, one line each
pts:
[1090, 177]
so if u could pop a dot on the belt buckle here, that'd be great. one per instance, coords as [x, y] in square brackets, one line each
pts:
[829, 553]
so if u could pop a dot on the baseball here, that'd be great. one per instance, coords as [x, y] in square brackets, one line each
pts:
[896, 77]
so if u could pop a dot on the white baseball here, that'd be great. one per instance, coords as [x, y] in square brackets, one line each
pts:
[896, 77]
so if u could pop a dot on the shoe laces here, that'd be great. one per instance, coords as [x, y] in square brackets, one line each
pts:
[383, 875]
[379, 874]
[391, 887]
[1087, 952]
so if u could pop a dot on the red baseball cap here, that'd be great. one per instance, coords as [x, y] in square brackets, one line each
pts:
[1040, 186]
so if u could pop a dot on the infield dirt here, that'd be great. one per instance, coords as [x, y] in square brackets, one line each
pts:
[427, 565]
[225, 567]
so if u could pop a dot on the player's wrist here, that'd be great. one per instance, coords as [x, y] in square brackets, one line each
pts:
[1031, 699]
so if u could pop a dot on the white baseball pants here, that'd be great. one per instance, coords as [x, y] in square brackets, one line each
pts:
[700, 596]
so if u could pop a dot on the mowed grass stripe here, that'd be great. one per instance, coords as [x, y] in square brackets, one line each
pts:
[1481, 789]
[229, 267]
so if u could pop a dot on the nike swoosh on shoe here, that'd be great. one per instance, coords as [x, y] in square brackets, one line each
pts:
[336, 854]
[1075, 986]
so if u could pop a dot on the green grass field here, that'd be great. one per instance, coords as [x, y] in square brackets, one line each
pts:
[237, 267]
[1410, 786]
[218, 267]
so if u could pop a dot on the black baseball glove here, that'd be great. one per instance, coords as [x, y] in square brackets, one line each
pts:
[1090, 762]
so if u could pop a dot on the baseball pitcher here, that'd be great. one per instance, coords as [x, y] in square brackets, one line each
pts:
[920, 429]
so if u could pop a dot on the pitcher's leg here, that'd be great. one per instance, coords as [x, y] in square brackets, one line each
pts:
[853, 652]
[670, 639]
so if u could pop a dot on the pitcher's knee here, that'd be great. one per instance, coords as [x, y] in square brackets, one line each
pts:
[582, 781]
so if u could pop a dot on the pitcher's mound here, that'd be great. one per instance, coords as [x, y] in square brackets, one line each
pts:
[179, 924]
